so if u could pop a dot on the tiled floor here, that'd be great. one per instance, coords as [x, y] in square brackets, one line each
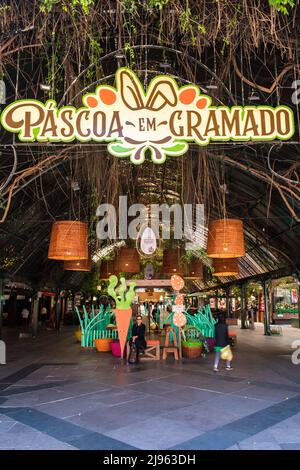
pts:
[53, 396]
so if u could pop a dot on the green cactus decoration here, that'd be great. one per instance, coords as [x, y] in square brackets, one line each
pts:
[122, 298]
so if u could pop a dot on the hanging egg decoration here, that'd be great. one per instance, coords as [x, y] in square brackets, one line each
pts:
[149, 271]
[148, 243]
[179, 319]
[179, 299]
[177, 282]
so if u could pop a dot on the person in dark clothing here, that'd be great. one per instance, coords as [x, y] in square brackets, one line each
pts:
[221, 340]
[138, 335]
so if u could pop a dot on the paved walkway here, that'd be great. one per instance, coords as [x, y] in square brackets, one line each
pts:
[52, 396]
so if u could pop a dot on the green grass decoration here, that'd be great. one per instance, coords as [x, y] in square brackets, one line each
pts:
[121, 296]
[202, 321]
[93, 325]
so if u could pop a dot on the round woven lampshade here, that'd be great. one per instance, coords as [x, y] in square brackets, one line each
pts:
[107, 269]
[79, 265]
[127, 261]
[225, 267]
[171, 262]
[225, 239]
[68, 241]
[194, 269]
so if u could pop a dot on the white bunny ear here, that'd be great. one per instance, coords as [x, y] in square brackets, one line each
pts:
[162, 92]
[131, 93]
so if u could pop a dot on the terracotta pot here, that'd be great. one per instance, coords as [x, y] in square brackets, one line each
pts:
[103, 344]
[78, 336]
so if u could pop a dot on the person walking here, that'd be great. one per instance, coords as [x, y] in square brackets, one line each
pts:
[25, 317]
[44, 313]
[221, 341]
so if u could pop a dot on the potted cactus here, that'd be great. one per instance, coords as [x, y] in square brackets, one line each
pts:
[123, 311]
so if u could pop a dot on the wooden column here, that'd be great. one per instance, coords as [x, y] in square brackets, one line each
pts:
[298, 292]
[227, 301]
[267, 331]
[243, 306]
[1, 305]
[58, 311]
[35, 314]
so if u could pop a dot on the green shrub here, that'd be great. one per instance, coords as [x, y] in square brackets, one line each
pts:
[192, 344]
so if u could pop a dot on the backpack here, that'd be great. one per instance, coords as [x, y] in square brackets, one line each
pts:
[132, 358]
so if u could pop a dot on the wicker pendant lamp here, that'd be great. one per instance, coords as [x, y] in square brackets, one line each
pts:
[68, 241]
[194, 269]
[225, 267]
[225, 239]
[79, 265]
[172, 262]
[127, 261]
[107, 269]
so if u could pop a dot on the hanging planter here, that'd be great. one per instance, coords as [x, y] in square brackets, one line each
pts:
[79, 265]
[194, 270]
[68, 241]
[127, 261]
[172, 262]
[225, 239]
[107, 269]
[225, 267]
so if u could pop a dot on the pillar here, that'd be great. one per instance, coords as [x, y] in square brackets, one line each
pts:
[298, 293]
[12, 306]
[1, 305]
[267, 331]
[243, 306]
[35, 314]
[227, 301]
[58, 311]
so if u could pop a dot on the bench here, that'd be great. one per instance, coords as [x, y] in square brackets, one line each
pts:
[152, 351]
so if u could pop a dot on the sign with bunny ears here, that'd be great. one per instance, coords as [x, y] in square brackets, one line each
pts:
[160, 121]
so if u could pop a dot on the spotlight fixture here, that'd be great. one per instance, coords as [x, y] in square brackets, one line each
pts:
[165, 65]
[212, 85]
[45, 87]
[75, 186]
[119, 55]
[253, 97]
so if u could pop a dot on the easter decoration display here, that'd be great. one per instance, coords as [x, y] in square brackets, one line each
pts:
[93, 326]
[202, 322]
[179, 318]
[123, 311]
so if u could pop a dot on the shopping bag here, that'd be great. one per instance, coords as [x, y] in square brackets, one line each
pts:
[132, 358]
[226, 353]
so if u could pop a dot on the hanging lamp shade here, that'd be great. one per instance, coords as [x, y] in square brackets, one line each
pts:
[107, 269]
[172, 262]
[194, 269]
[225, 239]
[78, 265]
[68, 241]
[127, 261]
[225, 267]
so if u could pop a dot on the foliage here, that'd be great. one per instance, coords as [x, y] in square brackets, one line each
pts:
[48, 5]
[90, 283]
[281, 5]
[122, 298]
